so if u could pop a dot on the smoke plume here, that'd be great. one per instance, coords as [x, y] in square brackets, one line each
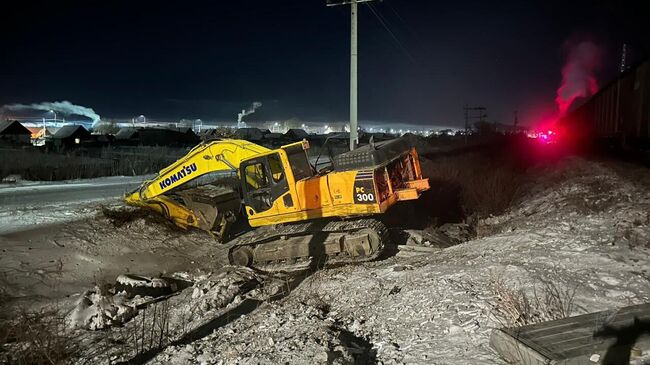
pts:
[250, 110]
[63, 107]
[578, 80]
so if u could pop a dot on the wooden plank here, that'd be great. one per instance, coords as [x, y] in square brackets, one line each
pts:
[572, 341]
[515, 351]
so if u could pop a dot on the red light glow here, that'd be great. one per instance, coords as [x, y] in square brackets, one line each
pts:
[578, 82]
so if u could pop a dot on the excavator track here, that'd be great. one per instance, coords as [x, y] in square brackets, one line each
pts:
[301, 246]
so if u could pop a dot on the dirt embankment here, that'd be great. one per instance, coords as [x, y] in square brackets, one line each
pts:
[576, 242]
[544, 239]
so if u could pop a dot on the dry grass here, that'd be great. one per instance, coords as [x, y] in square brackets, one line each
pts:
[33, 164]
[36, 338]
[486, 187]
[548, 301]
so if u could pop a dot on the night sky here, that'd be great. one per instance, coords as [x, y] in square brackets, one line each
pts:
[209, 59]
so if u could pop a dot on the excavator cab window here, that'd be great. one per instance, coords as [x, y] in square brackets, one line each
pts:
[276, 168]
[300, 166]
[256, 177]
[264, 182]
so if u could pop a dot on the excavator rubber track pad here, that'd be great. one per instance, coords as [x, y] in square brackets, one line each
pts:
[296, 247]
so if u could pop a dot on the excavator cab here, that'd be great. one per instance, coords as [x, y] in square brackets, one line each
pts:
[264, 181]
[266, 178]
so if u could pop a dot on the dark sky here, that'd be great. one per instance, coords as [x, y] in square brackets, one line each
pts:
[208, 59]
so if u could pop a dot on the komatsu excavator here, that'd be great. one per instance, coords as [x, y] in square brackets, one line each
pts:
[314, 215]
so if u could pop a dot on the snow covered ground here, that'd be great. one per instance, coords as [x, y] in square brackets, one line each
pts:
[578, 242]
[582, 238]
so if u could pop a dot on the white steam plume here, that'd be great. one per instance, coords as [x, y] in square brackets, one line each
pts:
[63, 107]
[250, 110]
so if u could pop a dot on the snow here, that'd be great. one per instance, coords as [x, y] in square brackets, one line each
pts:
[95, 311]
[575, 233]
[582, 233]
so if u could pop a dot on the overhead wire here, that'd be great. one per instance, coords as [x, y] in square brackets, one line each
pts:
[401, 19]
[384, 22]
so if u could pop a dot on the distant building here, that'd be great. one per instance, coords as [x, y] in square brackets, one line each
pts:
[12, 132]
[172, 137]
[364, 137]
[70, 136]
[103, 139]
[296, 135]
[37, 132]
[250, 134]
[128, 136]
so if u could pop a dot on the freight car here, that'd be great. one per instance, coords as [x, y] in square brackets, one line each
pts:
[618, 115]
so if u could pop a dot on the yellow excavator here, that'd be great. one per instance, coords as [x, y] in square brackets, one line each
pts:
[327, 214]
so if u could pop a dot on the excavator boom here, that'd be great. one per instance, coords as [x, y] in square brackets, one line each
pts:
[206, 206]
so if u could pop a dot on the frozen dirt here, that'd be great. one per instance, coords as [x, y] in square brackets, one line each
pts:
[583, 235]
[577, 243]
[60, 261]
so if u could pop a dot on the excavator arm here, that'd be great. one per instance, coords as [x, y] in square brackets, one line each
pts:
[182, 193]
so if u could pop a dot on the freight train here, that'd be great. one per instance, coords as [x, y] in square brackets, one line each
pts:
[618, 115]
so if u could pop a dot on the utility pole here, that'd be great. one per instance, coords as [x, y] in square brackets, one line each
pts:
[481, 114]
[514, 129]
[354, 138]
[466, 108]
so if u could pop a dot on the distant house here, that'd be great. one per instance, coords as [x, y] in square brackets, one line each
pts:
[274, 140]
[250, 134]
[70, 136]
[295, 135]
[274, 136]
[37, 132]
[103, 139]
[128, 136]
[173, 137]
[13, 132]
[364, 137]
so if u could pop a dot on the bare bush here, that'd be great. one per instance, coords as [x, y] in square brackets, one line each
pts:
[36, 338]
[486, 187]
[548, 301]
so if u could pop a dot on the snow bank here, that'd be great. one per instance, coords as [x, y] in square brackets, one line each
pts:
[96, 311]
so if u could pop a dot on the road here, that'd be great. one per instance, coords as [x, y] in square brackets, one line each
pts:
[29, 206]
[69, 192]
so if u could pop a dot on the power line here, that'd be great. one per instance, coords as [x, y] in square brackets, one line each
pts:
[386, 26]
[401, 19]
